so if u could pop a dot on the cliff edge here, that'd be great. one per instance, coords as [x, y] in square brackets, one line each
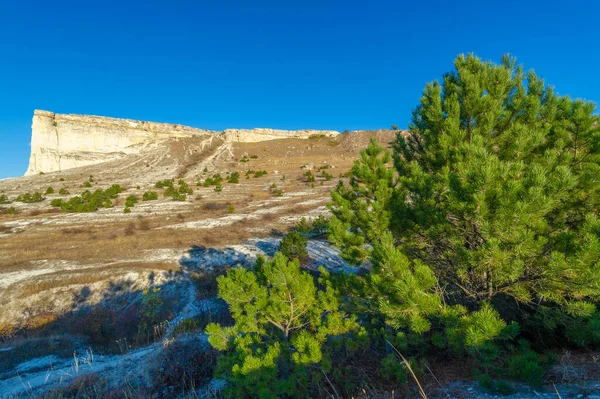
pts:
[65, 141]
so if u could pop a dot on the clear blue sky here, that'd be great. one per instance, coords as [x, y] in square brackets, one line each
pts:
[284, 64]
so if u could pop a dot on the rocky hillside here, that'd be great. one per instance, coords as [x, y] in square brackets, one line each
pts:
[61, 142]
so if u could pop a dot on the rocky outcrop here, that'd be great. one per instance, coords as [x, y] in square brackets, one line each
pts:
[65, 141]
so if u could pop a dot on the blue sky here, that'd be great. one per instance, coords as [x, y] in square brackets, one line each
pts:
[283, 64]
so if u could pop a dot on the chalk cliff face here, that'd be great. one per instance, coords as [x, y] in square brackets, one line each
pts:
[60, 141]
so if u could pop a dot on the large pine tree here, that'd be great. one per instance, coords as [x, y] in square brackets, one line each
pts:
[497, 193]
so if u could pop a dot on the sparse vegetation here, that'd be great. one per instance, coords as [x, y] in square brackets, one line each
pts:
[130, 201]
[30, 198]
[63, 191]
[309, 177]
[234, 178]
[4, 199]
[88, 201]
[293, 246]
[49, 190]
[150, 196]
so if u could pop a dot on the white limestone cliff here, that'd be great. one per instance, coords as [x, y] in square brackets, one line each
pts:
[65, 141]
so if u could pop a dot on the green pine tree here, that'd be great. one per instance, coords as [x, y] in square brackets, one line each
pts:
[283, 325]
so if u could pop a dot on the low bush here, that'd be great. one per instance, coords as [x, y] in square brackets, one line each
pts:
[234, 178]
[213, 180]
[130, 201]
[316, 228]
[88, 201]
[293, 246]
[4, 199]
[309, 177]
[150, 196]
[49, 190]
[29, 198]
[9, 211]
[165, 183]
[63, 191]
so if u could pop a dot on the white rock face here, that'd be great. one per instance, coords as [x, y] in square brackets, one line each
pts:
[65, 141]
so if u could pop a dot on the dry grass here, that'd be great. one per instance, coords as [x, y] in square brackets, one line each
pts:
[45, 285]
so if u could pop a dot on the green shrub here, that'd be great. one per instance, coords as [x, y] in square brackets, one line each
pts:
[29, 198]
[130, 201]
[150, 196]
[9, 211]
[234, 178]
[127, 210]
[49, 190]
[86, 184]
[244, 159]
[218, 187]
[63, 191]
[165, 183]
[230, 209]
[260, 173]
[393, 369]
[4, 199]
[293, 246]
[284, 328]
[310, 178]
[88, 201]
[253, 156]
[213, 181]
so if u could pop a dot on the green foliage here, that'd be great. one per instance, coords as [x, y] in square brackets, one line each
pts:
[86, 184]
[260, 173]
[528, 365]
[213, 181]
[4, 199]
[361, 211]
[234, 178]
[150, 196]
[253, 156]
[127, 209]
[130, 201]
[88, 201]
[218, 187]
[309, 177]
[491, 205]
[284, 325]
[498, 178]
[230, 209]
[244, 159]
[63, 191]
[150, 309]
[10, 211]
[165, 183]
[29, 198]
[49, 190]
[392, 369]
[293, 246]
[316, 228]
[177, 194]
